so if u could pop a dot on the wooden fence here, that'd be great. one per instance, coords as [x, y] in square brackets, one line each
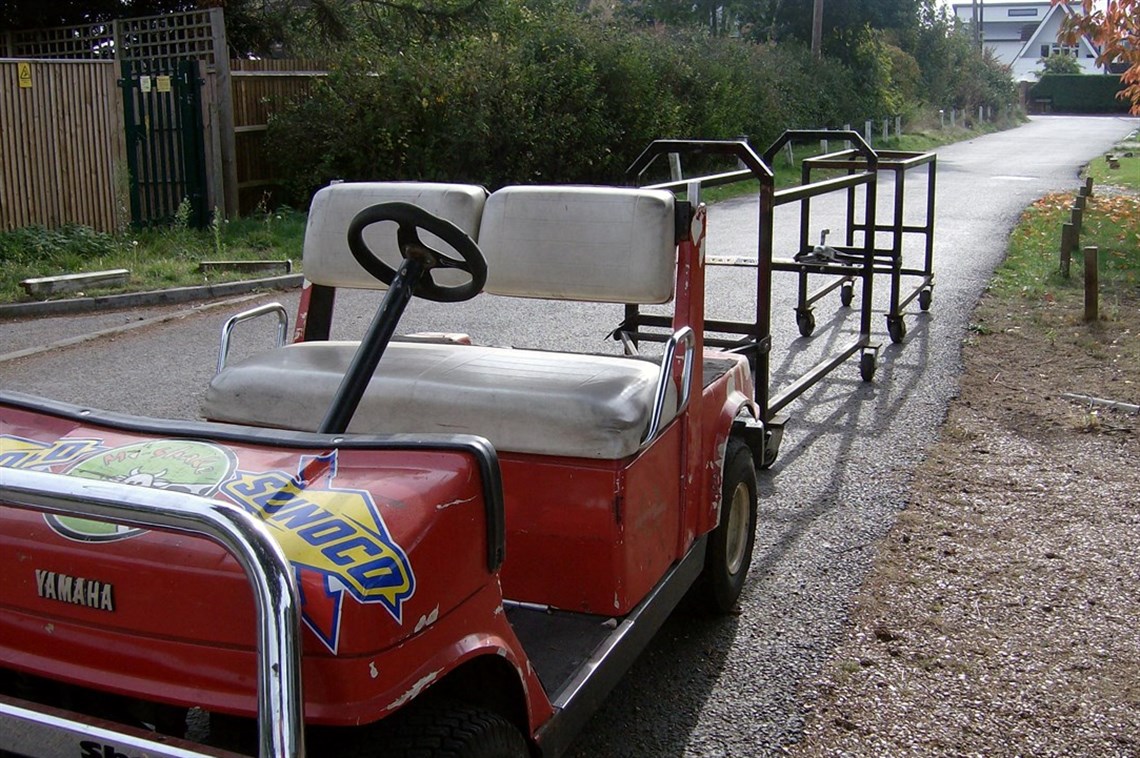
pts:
[63, 153]
[62, 149]
[259, 88]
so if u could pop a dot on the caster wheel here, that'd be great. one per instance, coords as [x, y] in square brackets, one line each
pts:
[867, 366]
[846, 295]
[896, 327]
[924, 299]
[805, 320]
[769, 458]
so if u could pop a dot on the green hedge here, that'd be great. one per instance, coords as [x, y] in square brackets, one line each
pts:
[553, 97]
[1080, 93]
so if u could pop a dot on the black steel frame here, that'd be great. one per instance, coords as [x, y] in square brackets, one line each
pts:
[888, 260]
[754, 338]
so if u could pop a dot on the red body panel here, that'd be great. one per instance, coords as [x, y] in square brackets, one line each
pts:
[396, 556]
[591, 536]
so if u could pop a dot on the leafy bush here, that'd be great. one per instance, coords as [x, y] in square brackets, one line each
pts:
[546, 95]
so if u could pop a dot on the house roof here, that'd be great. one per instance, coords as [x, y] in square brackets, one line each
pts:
[1033, 39]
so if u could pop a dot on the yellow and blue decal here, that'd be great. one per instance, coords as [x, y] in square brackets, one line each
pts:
[335, 538]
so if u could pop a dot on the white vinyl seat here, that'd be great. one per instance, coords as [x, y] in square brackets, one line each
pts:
[580, 243]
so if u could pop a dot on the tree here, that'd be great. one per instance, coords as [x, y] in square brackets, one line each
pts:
[1115, 30]
[1060, 63]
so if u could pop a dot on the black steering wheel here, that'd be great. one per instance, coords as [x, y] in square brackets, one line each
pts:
[410, 219]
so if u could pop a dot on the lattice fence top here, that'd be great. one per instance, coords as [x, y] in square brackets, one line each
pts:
[190, 34]
[92, 42]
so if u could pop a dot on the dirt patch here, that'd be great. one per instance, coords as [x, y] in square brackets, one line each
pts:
[1002, 614]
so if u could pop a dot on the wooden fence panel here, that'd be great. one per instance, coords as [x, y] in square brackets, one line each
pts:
[62, 154]
[259, 88]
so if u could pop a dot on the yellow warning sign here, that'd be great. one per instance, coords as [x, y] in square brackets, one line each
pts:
[24, 73]
[162, 83]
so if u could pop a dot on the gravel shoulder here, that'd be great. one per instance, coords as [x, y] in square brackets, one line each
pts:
[1000, 616]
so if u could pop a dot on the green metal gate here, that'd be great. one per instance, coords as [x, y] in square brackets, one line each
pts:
[166, 151]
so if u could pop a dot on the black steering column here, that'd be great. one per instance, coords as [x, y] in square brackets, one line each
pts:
[412, 278]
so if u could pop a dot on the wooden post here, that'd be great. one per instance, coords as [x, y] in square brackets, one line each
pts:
[1079, 202]
[1091, 283]
[817, 29]
[1067, 248]
[867, 131]
[791, 155]
[898, 126]
[221, 61]
[1078, 219]
[886, 129]
[1088, 187]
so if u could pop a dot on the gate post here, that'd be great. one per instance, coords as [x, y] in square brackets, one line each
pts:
[224, 93]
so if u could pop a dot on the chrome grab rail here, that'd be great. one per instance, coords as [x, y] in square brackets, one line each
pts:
[686, 336]
[252, 313]
[279, 690]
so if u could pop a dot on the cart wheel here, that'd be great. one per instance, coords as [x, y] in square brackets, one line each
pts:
[846, 295]
[867, 366]
[771, 452]
[924, 299]
[440, 729]
[896, 327]
[805, 320]
[730, 544]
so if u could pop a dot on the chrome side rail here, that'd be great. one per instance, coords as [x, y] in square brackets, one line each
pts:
[252, 313]
[279, 690]
[684, 336]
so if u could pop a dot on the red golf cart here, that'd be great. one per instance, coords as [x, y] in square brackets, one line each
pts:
[398, 544]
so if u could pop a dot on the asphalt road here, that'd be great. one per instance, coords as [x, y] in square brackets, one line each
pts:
[705, 687]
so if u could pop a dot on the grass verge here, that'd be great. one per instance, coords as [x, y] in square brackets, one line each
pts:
[1032, 269]
[157, 258]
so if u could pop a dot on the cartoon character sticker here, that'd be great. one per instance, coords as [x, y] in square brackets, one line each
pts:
[198, 468]
[335, 537]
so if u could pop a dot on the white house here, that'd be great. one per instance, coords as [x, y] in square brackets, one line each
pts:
[1021, 34]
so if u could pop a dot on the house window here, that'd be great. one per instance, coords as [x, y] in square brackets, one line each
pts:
[1015, 12]
[1061, 50]
[1044, 51]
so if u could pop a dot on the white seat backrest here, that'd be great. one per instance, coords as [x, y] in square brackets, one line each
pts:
[599, 244]
[328, 260]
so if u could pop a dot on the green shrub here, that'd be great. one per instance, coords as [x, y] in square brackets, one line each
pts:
[547, 95]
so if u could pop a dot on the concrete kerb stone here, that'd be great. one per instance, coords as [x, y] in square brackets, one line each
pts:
[142, 299]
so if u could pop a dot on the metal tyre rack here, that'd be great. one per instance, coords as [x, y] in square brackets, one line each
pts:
[887, 260]
[753, 338]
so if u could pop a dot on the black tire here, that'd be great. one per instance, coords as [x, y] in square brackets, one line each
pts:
[924, 299]
[440, 729]
[846, 295]
[729, 552]
[867, 366]
[805, 321]
[771, 452]
[896, 327]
